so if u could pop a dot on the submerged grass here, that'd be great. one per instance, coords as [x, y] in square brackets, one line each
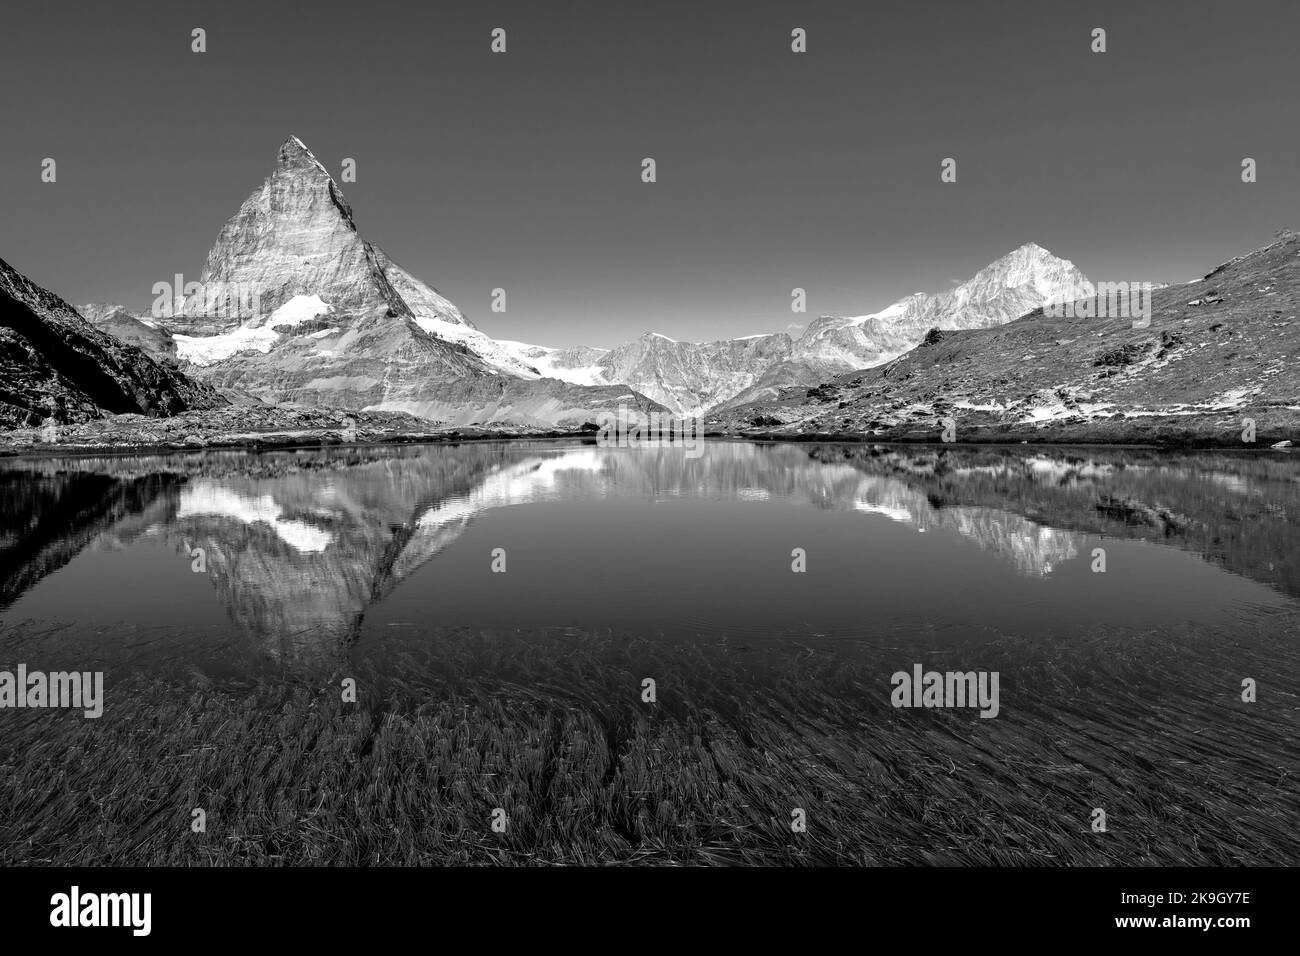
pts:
[551, 728]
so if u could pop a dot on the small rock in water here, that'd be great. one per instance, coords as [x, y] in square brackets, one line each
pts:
[1281, 444]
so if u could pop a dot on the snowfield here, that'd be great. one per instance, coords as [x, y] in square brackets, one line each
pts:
[249, 337]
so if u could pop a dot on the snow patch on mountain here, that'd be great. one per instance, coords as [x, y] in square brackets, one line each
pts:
[898, 308]
[252, 336]
[504, 356]
[299, 309]
[576, 375]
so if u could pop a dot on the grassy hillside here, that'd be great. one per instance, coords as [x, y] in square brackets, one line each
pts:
[1216, 352]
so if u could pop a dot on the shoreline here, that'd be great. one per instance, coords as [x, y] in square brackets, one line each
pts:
[326, 440]
[254, 428]
[1169, 439]
[263, 445]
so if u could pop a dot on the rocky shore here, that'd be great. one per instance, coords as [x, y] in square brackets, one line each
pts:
[253, 427]
[1275, 429]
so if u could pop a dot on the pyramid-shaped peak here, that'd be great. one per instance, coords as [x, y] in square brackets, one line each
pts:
[1028, 266]
[1032, 256]
[1032, 250]
[295, 155]
[294, 145]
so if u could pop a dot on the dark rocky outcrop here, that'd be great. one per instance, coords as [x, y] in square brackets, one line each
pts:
[54, 365]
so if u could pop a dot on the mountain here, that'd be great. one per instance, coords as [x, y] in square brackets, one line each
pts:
[294, 305]
[686, 377]
[690, 378]
[55, 366]
[579, 364]
[130, 327]
[1216, 351]
[1021, 281]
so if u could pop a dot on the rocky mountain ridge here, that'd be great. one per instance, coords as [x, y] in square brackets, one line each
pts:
[1217, 361]
[56, 368]
[691, 378]
[294, 306]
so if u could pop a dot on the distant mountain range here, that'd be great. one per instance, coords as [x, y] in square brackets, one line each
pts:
[340, 324]
[1217, 357]
[334, 323]
[691, 378]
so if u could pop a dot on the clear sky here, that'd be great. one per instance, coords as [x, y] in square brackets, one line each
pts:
[775, 170]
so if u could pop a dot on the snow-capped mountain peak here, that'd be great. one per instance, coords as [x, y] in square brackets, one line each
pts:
[294, 305]
[691, 377]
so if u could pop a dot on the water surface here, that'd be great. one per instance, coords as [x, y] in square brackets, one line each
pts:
[305, 558]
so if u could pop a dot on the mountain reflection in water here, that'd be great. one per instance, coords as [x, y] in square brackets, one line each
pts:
[301, 546]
